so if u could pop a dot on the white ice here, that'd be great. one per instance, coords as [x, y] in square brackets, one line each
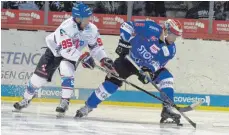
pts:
[40, 119]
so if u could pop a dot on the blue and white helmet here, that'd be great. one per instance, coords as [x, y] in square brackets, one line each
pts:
[81, 11]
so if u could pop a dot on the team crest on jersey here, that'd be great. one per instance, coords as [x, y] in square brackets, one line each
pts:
[79, 43]
[62, 32]
[154, 49]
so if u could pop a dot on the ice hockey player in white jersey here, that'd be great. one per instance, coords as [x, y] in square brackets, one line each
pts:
[65, 49]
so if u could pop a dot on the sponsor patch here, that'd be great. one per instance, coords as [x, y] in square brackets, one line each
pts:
[154, 49]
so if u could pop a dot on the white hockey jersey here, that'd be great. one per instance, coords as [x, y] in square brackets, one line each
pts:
[70, 42]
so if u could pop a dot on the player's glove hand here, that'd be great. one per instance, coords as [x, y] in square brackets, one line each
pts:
[145, 75]
[123, 48]
[87, 61]
[108, 63]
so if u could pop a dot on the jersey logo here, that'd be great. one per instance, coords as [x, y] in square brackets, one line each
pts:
[145, 54]
[154, 49]
[79, 43]
[140, 24]
[99, 41]
[62, 32]
[127, 28]
[153, 38]
[154, 28]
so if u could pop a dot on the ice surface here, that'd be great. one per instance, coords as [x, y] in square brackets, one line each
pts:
[40, 119]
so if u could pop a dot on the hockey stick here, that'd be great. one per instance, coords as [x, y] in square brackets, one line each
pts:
[182, 109]
[169, 100]
[129, 83]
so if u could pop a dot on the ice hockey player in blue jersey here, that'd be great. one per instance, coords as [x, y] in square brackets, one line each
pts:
[151, 47]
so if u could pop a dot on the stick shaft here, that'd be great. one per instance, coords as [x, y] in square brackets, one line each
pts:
[168, 99]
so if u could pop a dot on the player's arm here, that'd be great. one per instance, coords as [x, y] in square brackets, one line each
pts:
[96, 47]
[97, 51]
[159, 32]
[126, 34]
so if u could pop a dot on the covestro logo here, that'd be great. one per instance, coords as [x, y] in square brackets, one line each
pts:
[55, 93]
[181, 99]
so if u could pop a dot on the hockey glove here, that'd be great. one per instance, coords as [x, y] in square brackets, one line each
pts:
[123, 48]
[144, 76]
[87, 61]
[108, 63]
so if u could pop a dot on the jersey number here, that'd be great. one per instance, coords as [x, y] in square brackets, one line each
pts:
[66, 43]
[99, 42]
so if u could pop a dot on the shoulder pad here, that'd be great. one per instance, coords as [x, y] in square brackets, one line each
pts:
[154, 26]
[91, 28]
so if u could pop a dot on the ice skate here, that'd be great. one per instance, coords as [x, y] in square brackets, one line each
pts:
[62, 108]
[21, 104]
[82, 112]
[168, 113]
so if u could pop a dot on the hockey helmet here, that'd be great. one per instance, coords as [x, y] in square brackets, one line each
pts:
[173, 26]
[81, 11]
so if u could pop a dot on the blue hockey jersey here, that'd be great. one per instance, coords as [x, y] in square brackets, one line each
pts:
[146, 48]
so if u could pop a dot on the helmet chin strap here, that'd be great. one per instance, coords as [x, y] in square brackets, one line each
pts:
[78, 23]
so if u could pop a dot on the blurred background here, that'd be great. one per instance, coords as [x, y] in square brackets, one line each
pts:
[203, 52]
[177, 9]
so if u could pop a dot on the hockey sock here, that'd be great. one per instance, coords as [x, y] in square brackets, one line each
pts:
[104, 91]
[67, 87]
[169, 92]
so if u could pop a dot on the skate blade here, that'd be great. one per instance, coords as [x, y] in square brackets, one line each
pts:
[16, 110]
[60, 115]
[76, 117]
[171, 123]
[79, 117]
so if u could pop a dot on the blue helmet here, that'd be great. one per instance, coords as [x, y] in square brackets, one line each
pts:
[81, 11]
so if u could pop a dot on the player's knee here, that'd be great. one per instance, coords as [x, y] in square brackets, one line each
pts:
[166, 85]
[67, 69]
[162, 74]
[35, 83]
[114, 81]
